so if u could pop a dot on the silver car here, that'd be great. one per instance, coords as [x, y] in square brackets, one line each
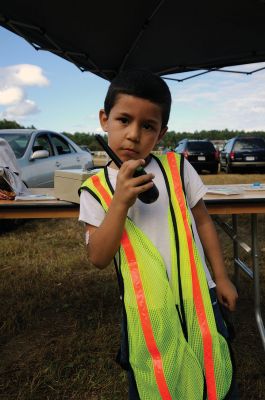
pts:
[39, 153]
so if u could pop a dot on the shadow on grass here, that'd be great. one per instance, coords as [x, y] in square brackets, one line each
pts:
[11, 225]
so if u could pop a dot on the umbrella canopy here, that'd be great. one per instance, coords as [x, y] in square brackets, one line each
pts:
[165, 36]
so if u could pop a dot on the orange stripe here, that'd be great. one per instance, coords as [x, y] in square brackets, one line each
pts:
[141, 302]
[106, 196]
[197, 295]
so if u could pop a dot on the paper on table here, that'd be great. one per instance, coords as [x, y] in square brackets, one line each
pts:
[254, 188]
[35, 197]
[227, 191]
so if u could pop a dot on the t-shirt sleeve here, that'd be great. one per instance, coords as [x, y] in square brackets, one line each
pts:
[194, 187]
[91, 211]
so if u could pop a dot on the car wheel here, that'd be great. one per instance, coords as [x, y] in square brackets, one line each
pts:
[228, 168]
[214, 170]
[222, 165]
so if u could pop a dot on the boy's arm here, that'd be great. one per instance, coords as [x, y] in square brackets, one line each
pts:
[226, 291]
[104, 241]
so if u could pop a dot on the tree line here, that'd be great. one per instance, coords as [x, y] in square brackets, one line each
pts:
[170, 140]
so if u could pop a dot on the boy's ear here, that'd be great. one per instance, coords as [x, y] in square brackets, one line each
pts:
[162, 134]
[103, 120]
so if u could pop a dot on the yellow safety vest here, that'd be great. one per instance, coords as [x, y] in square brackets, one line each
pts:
[175, 350]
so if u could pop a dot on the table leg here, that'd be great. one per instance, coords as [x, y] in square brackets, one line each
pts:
[256, 276]
[235, 250]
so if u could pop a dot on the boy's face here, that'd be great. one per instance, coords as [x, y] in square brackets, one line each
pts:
[133, 127]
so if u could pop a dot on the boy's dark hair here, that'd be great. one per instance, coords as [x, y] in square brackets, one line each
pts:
[143, 84]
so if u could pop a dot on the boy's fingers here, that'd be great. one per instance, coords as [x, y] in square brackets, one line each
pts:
[229, 303]
[141, 180]
[233, 304]
[130, 166]
[128, 169]
[234, 301]
[143, 188]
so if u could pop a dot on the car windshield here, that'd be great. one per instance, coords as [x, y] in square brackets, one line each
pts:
[17, 141]
[200, 146]
[249, 144]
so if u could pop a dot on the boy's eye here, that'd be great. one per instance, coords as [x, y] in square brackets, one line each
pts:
[147, 126]
[123, 120]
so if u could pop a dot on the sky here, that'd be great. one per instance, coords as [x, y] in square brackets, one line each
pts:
[41, 89]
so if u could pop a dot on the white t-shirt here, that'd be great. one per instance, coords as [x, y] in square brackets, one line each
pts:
[149, 216]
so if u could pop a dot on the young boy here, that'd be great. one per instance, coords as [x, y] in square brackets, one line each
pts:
[174, 342]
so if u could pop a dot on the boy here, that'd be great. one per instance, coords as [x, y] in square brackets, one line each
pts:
[174, 340]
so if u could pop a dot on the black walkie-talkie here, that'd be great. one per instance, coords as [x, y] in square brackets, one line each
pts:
[147, 197]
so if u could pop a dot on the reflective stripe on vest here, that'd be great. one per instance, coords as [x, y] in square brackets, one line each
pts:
[206, 334]
[165, 365]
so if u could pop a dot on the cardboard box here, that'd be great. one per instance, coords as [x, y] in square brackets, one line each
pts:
[68, 181]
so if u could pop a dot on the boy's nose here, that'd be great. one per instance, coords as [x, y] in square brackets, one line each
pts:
[134, 133]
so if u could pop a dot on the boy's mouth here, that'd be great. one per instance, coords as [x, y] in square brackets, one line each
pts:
[130, 151]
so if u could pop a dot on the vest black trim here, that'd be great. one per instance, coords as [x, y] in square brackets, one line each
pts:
[91, 192]
[233, 380]
[122, 357]
[106, 174]
[182, 174]
[182, 158]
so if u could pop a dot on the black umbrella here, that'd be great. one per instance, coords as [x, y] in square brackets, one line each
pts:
[165, 36]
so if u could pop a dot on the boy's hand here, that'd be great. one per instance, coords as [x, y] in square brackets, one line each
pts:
[226, 293]
[128, 187]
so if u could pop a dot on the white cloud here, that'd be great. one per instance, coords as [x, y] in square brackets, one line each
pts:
[221, 101]
[20, 110]
[23, 75]
[10, 95]
[13, 83]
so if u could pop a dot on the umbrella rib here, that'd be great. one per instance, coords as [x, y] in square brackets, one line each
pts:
[242, 72]
[189, 77]
[213, 70]
[14, 25]
[67, 55]
[184, 68]
[140, 34]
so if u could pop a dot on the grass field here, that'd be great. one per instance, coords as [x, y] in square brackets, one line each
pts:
[60, 317]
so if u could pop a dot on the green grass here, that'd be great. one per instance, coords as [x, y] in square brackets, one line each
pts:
[59, 328]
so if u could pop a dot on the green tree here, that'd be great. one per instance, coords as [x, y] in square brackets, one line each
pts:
[87, 139]
[170, 140]
[5, 124]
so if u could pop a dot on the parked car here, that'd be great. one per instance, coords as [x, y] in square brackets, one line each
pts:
[200, 153]
[39, 153]
[243, 153]
[86, 148]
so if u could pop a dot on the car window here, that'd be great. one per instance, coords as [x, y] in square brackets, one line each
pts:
[61, 145]
[249, 144]
[228, 146]
[178, 147]
[200, 146]
[42, 143]
[18, 142]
